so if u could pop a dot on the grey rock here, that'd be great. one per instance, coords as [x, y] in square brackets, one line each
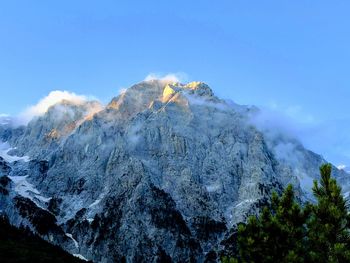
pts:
[164, 172]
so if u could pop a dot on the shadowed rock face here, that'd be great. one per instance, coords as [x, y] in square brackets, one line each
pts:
[162, 173]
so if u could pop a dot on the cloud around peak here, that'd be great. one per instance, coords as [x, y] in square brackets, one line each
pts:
[45, 103]
[170, 77]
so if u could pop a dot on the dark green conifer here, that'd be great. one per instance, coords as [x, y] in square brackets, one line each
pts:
[277, 235]
[329, 222]
[288, 232]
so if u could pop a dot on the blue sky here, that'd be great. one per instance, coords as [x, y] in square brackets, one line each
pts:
[289, 56]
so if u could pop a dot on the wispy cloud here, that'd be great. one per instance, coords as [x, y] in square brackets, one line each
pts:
[295, 113]
[170, 77]
[45, 103]
[330, 138]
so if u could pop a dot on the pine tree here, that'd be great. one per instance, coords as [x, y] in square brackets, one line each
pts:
[277, 235]
[329, 223]
[287, 232]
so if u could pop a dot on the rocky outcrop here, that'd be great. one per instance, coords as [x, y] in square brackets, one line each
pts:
[163, 173]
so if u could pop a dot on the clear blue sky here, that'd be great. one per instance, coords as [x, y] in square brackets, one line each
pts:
[293, 56]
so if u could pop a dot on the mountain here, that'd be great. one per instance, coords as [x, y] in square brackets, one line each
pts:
[163, 173]
[20, 245]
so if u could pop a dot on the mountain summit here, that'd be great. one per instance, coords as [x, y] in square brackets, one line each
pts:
[164, 172]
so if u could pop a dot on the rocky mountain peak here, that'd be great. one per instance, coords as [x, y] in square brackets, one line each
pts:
[165, 170]
[148, 94]
[193, 88]
[199, 88]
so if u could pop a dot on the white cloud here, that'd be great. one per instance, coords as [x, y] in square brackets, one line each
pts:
[328, 137]
[4, 119]
[170, 77]
[274, 124]
[296, 113]
[45, 103]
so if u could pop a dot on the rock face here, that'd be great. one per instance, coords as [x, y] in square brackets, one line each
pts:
[161, 174]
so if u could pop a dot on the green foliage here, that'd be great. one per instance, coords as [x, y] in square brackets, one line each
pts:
[328, 226]
[279, 232]
[229, 260]
[287, 232]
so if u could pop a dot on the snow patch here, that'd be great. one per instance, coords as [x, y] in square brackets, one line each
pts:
[80, 256]
[213, 187]
[98, 200]
[43, 199]
[341, 167]
[27, 190]
[4, 150]
[245, 201]
[76, 244]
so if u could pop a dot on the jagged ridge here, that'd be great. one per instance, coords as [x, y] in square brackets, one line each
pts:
[164, 171]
